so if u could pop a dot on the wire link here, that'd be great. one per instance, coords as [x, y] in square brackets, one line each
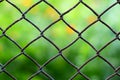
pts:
[60, 51]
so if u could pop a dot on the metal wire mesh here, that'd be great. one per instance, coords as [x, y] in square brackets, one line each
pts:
[60, 51]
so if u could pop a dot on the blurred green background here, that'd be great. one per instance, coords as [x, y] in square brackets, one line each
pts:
[41, 50]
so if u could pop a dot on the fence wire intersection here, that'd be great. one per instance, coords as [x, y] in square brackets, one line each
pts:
[61, 18]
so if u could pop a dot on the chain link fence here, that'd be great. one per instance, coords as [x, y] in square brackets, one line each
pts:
[41, 68]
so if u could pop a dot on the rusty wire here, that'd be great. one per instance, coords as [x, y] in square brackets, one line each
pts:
[61, 18]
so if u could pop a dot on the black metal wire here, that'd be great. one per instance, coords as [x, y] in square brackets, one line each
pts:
[60, 51]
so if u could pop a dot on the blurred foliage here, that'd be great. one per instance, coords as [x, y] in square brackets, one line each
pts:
[41, 50]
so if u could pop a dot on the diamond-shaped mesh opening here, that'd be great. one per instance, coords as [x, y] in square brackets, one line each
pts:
[79, 18]
[7, 47]
[60, 34]
[7, 11]
[55, 67]
[63, 6]
[78, 53]
[25, 34]
[111, 18]
[42, 15]
[98, 38]
[40, 51]
[99, 67]
[23, 71]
